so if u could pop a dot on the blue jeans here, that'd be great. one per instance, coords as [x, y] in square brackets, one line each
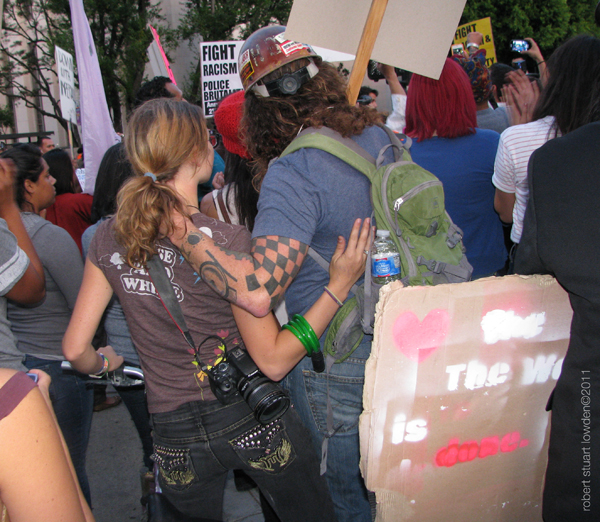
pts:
[309, 395]
[73, 402]
[198, 443]
[134, 398]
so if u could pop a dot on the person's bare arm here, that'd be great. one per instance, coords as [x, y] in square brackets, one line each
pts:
[37, 480]
[276, 352]
[94, 296]
[504, 203]
[31, 288]
[474, 42]
[535, 54]
[256, 281]
[392, 79]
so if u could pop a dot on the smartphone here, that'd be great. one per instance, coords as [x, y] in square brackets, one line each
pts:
[457, 49]
[33, 376]
[519, 45]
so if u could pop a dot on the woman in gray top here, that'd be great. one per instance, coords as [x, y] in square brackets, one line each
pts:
[39, 330]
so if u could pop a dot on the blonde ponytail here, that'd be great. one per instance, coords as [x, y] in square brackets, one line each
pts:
[144, 210]
[161, 136]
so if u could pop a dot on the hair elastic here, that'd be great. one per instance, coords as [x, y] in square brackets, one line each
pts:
[332, 295]
[150, 175]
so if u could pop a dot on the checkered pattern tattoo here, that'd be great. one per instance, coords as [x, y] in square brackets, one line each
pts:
[280, 258]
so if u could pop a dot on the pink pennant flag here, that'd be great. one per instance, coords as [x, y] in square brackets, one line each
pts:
[162, 53]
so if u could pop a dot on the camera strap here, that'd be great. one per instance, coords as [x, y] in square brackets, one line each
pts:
[160, 279]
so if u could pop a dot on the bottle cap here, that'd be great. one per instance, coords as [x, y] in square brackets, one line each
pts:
[383, 233]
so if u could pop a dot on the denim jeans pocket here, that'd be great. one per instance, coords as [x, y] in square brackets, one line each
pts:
[265, 448]
[345, 395]
[175, 466]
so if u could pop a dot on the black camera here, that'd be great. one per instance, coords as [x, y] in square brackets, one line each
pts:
[237, 374]
[375, 74]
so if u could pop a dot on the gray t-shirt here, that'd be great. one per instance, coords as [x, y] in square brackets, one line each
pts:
[314, 197]
[13, 264]
[496, 120]
[39, 330]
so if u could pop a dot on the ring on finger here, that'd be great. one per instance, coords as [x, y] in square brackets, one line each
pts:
[366, 252]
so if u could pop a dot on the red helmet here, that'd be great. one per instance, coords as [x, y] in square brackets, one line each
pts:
[265, 51]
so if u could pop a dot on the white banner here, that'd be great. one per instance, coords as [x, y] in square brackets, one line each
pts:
[97, 127]
[220, 75]
[66, 82]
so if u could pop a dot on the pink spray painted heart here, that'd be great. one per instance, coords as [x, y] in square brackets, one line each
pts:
[416, 339]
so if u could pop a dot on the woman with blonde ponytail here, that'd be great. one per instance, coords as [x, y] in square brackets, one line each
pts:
[197, 439]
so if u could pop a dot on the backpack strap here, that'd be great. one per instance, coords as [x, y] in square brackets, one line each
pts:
[333, 143]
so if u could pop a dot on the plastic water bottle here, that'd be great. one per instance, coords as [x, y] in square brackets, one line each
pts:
[385, 259]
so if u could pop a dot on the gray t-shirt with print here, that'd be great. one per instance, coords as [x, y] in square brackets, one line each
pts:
[13, 264]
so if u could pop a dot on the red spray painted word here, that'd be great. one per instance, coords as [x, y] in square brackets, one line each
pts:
[470, 450]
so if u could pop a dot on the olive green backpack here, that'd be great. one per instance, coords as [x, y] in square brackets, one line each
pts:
[409, 202]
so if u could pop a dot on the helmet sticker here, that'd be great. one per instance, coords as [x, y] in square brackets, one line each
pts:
[289, 46]
[246, 69]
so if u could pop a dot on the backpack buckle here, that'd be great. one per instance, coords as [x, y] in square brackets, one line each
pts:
[437, 267]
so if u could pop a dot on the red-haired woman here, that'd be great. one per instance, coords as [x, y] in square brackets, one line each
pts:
[441, 117]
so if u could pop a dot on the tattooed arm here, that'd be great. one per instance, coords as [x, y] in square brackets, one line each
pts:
[256, 281]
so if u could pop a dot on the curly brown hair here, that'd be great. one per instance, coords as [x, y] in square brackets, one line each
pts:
[271, 123]
[162, 135]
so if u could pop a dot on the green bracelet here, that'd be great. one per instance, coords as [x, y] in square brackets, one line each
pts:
[299, 335]
[302, 323]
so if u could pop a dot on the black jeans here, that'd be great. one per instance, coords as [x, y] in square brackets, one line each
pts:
[196, 445]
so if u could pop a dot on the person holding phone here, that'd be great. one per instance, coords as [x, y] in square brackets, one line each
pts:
[528, 47]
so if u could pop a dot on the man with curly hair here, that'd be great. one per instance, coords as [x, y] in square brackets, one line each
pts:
[307, 199]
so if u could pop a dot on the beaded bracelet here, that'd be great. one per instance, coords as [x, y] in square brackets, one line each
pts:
[104, 369]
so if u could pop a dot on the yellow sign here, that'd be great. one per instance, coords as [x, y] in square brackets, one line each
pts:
[483, 26]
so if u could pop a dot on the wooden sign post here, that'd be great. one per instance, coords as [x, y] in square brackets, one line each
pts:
[365, 48]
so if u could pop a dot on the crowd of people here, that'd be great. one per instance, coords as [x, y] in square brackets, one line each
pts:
[180, 258]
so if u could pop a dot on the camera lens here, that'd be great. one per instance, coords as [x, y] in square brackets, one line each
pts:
[267, 400]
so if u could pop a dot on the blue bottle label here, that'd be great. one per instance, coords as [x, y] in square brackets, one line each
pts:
[385, 265]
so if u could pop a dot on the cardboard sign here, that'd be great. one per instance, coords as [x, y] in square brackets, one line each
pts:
[483, 26]
[66, 83]
[220, 74]
[455, 426]
[415, 36]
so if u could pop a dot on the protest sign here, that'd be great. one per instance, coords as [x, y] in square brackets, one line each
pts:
[483, 26]
[66, 83]
[455, 426]
[220, 75]
[415, 36]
